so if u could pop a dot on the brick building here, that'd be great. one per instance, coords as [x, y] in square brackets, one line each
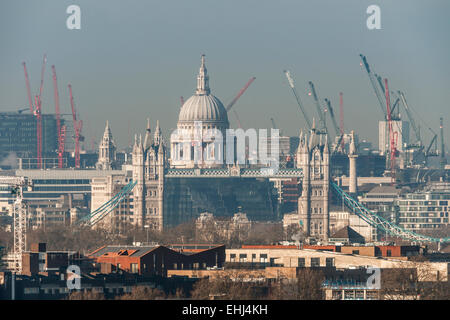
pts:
[157, 259]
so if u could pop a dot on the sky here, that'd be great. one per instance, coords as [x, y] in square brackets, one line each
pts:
[134, 59]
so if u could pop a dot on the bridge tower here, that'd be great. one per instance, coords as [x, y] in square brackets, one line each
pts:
[149, 159]
[313, 157]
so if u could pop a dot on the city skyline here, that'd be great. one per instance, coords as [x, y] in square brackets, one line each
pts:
[130, 62]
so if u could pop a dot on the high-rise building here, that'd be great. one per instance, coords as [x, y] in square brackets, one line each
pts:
[401, 135]
[18, 135]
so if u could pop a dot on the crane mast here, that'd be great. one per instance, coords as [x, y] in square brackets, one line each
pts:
[19, 217]
[58, 119]
[39, 131]
[77, 126]
[302, 109]
[392, 134]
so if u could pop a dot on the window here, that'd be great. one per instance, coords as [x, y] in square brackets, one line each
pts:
[329, 262]
[232, 257]
[389, 253]
[243, 257]
[134, 268]
[315, 262]
[263, 258]
[355, 251]
[301, 262]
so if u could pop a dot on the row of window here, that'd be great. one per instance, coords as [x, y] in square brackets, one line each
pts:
[61, 181]
[314, 262]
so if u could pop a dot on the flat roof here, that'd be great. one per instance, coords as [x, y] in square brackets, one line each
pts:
[67, 173]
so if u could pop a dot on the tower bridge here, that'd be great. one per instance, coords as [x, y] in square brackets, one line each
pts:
[233, 171]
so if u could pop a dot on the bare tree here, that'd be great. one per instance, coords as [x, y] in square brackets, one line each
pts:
[307, 286]
[143, 293]
[85, 295]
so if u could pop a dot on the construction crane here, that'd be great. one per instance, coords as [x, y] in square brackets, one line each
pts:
[339, 134]
[322, 123]
[38, 115]
[42, 75]
[27, 83]
[392, 134]
[17, 184]
[77, 126]
[302, 109]
[58, 119]
[182, 100]
[37, 110]
[341, 116]
[62, 140]
[333, 119]
[240, 93]
[410, 117]
[274, 126]
[443, 160]
[374, 85]
[429, 152]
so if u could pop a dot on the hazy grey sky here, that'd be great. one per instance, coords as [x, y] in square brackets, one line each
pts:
[134, 59]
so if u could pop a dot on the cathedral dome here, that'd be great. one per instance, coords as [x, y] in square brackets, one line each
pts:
[203, 106]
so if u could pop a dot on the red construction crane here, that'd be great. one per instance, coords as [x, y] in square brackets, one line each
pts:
[392, 135]
[240, 94]
[42, 75]
[37, 110]
[77, 126]
[27, 82]
[39, 131]
[58, 118]
[62, 139]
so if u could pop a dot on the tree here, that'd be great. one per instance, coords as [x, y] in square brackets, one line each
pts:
[307, 286]
[413, 281]
[85, 295]
[143, 293]
[230, 285]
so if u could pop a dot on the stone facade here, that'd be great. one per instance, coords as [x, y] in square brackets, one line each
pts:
[313, 157]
